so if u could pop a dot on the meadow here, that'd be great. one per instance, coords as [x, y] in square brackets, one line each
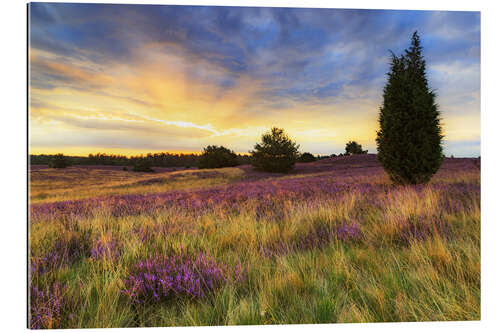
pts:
[332, 241]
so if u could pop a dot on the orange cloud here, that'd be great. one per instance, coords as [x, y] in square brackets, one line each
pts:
[158, 104]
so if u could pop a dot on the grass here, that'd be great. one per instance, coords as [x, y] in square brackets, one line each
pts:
[52, 185]
[418, 258]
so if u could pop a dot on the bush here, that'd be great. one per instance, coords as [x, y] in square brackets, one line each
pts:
[217, 157]
[352, 147]
[162, 278]
[125, 168]
[143, 165]
[306, 158]
[59, 161]
[409, 141]
[276, 153]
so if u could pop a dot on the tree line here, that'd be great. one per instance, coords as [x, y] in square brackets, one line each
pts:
[212, 157]
[163, 159]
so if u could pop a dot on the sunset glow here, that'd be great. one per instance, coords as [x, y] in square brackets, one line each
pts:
[134, 79]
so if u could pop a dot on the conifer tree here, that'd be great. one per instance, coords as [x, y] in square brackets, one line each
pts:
[409, 141]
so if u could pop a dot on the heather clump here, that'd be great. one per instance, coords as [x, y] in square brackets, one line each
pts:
[321, 235]
[46, 306]
[163, 278]
[105, 248]
[316, 237]
[419, 228]
[148, 232]
[270, 210]
[51, 261]
[75, 246]
[53, 306]
[66, 250]
[349, 232]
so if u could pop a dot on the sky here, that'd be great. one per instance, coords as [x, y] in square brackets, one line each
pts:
[132, 79]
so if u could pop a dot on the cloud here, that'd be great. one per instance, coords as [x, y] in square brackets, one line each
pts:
[49, 74]
[225, 73]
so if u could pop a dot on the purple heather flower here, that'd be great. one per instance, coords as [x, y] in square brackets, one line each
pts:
[163, 277]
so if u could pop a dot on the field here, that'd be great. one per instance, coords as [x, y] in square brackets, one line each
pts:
[331, 242]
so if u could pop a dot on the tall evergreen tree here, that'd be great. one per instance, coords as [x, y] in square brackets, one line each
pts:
[409, 141]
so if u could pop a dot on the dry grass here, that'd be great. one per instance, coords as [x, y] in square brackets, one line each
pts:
[383, 277]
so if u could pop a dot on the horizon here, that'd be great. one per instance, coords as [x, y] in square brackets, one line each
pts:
[185, 77]
[200, 152]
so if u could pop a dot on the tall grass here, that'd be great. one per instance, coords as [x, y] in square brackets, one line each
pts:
[414, 256]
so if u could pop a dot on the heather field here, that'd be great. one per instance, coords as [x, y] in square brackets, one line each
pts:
[332, 241]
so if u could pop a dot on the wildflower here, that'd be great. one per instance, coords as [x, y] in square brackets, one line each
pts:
[164, 277]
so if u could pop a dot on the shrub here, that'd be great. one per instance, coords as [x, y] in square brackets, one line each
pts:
[162, 278]
[59, 161]
[306, 158]
[409, 141]
[125, 168]
[352, 147]
[143, 165]
[217, 157]
[276, 153]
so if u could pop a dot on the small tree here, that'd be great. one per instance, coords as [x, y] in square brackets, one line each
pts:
[307, 158]
[276, 153]
[59, 161]
[352, 147]
[217, 157]
[409, 141]
[143, 165]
